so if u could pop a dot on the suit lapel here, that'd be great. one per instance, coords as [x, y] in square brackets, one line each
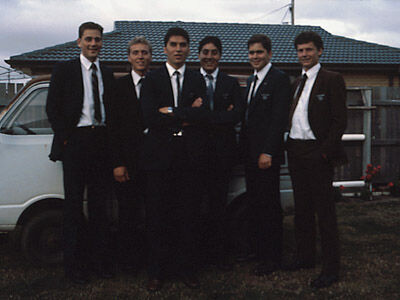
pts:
[261, 88]
[219, 88]
[167, 86]
[294, 103]
[187, 88]
[314, 91]
[79, 79]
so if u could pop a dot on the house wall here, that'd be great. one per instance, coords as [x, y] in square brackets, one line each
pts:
[372, 80]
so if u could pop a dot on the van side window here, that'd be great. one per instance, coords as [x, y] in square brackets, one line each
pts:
[31, 117]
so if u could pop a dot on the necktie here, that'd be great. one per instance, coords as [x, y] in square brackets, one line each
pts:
[178, 85]
[297, 96]
[210, 91]
[251, 96]
[139, 89]
[96, 97]
[253, 88]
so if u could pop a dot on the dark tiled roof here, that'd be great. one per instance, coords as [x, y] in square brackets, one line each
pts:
[234, 36]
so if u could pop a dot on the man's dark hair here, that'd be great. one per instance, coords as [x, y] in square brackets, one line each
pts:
[307, 37]
[260, 38]
[213, 40]
[89, 25]
[176, 31]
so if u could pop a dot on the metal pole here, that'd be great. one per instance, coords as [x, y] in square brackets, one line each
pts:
[367, 99]
[292, 11]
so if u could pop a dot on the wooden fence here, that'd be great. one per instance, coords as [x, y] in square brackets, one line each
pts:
[385, 131]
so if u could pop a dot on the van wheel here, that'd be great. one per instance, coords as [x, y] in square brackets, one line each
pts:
[41, 239]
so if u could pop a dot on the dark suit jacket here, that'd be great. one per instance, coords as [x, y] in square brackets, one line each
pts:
[327, 113]
[156, 93]
[65, 101]
[267, 118]
[221, 123]
[126, 124]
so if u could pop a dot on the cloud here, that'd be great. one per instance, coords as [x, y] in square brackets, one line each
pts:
[28, 25]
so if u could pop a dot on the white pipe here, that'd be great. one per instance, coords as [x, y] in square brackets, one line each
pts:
[354, 183]
[353, 137]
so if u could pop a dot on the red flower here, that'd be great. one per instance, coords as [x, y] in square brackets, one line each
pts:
[369, 177]
[341, 187]
[369, 166]
[390, 184]
[379, 167]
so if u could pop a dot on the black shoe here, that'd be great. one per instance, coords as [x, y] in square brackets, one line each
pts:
[324, 281]
[191, 281]
[298, 265]
[225, 266]
[266, 268]
[245, 257]
[104, 271]
[154, 285]
[77, 276]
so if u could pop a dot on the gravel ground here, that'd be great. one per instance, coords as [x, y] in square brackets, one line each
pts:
[370, 235]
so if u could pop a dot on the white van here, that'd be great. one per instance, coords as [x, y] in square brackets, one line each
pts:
[31, 186]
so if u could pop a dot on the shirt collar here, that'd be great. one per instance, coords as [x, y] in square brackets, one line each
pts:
[313, 71]
[87, 63]
[263, 72]
[213, 74]
[171, 69]
[136, 77]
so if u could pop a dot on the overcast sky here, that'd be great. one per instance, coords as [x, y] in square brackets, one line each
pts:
[28, 25]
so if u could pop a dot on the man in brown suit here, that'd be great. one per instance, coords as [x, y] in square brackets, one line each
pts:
[317, 123]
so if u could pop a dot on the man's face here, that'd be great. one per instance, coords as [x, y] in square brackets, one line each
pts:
[177, 50]
[259, 56]
[140, 58]
[209, 57]
[90, 43]
[308, 55]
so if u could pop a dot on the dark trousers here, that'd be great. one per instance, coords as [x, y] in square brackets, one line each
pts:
[172, 208]
[131, 220]
[216, 181]
[85, 164]
[265, 213]
[312, 177]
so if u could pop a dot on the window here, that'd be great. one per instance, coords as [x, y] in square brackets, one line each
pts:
[31, 117]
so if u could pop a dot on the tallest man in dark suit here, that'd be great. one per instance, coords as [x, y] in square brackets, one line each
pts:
[268, 97]
[78, 107]
[173, 156]
[317, 123]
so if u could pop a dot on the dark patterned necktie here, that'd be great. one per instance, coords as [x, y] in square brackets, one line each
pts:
[210, 91]
[178, 85]
[96, 96]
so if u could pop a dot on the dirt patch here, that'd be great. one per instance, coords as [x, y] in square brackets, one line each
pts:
[370, 236]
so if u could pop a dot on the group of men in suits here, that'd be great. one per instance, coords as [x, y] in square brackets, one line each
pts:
[170, 134]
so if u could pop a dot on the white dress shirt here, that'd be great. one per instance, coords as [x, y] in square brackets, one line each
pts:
[171, 71]
[301, 129]
[213, 74]
[136, 78]
[260, 75]
[87, 116]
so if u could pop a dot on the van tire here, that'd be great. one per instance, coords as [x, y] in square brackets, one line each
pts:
[41, 238]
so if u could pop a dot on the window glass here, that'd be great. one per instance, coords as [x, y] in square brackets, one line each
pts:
[33, 118]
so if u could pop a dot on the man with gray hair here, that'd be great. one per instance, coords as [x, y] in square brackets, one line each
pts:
[126, 124]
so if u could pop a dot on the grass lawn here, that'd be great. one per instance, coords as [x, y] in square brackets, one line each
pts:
[370, 236]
